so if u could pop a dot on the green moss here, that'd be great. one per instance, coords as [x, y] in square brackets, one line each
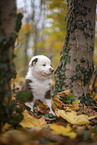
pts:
[24, 96]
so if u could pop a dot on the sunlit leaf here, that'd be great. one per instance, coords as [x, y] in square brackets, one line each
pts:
[92, 117]
[58, 129]
[29, 121]
[76, 102]
[56, 103]
[72, 117]
[64, 93]
[95, 98]
[6, 127]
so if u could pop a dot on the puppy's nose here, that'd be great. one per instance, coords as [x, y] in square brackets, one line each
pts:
[51, 70]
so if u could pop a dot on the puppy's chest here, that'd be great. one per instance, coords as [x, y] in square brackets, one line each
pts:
[39, 88]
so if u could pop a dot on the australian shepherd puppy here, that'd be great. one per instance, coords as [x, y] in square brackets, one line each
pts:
[38, 79]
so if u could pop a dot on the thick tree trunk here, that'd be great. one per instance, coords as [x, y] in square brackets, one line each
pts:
[76, 62]
[7, 39]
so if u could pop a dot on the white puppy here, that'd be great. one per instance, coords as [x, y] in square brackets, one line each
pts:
[38, 79]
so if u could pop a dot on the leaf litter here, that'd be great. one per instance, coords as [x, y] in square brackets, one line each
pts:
[72, 124]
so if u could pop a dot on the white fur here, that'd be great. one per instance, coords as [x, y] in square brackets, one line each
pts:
[39, 75]
[40, 87]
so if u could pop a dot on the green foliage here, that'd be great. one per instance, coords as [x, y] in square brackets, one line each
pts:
[24, 96]
[19, 22]
[68, 99]
[15, 114]
[86, 100]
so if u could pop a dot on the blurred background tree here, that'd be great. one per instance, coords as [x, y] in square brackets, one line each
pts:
[43, 31]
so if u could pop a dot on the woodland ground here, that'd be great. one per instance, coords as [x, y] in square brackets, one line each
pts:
[71, 123]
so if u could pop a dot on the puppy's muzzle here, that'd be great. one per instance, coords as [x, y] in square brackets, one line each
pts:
[51, 70]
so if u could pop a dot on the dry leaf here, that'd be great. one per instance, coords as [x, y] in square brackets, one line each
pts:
[92, 117]
[72, 117]
[64, 93]
[80, 83]
[40, 107]
[29, 121]
[58, 129]
[6, 127]
[12, 136]
[22, 137]
[76, 102]
[95, 98]
[56, 103]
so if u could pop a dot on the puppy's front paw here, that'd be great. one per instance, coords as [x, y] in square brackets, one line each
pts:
[30, 105]
[40, 107]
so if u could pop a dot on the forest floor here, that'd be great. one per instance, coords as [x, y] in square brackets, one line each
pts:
[69, 124]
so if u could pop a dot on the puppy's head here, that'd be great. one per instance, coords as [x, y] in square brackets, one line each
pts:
[40, 66]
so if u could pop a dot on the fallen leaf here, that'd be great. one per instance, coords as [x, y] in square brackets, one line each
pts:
[6, 127]
[56, 103]
[58, 129]
[29, 121]
[41, 107]
[22, 137]
[64, 93]
[95, 98]
[80, 83]
[72, 117]
[12, 136]
[76, 102]
[92, 117]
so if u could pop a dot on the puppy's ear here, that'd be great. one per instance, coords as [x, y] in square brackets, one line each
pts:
[33, 62]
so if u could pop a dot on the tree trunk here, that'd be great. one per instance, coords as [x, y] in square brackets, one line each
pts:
[75, 67]
[7, 68]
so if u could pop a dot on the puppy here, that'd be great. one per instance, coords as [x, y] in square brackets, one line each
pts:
[38, 79]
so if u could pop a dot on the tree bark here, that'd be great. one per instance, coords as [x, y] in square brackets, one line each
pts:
[76, 61]
[7, 40]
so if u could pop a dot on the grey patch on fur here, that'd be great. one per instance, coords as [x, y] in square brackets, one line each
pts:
[26, 86]
[48, 94]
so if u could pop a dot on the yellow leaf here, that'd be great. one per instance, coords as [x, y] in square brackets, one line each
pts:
[52, 82]
[58, 129]
[80, 83]
[76, 102]
[95, 84]
[29, 121]
[13, 97]
[64, 93]
[5, 127]
[56, 103]
[95, 97]
[72, 117]
[92, 117]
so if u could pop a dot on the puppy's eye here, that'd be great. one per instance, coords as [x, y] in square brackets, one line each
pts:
[44, 64]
